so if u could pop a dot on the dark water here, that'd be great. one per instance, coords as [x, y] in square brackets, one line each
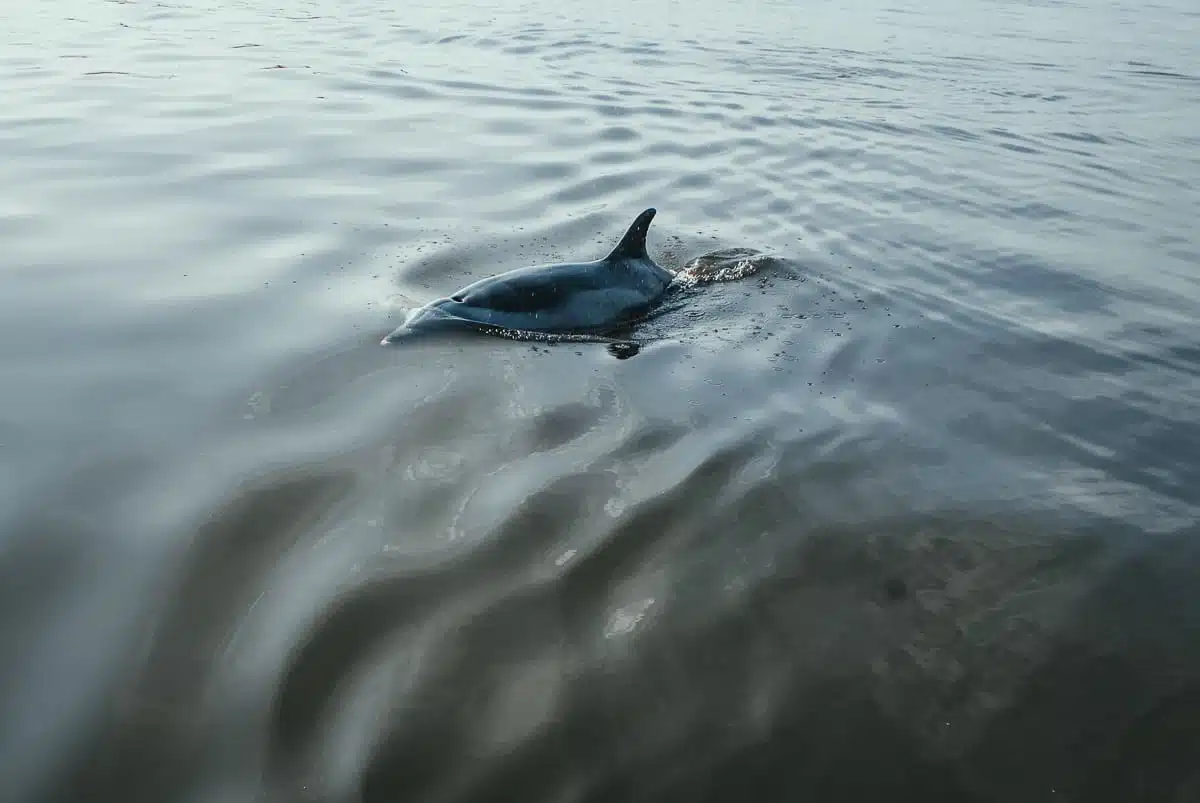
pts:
[909, 513]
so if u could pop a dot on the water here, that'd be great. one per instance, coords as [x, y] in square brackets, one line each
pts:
[909, 510]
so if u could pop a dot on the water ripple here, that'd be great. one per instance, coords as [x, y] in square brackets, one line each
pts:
[869, 515]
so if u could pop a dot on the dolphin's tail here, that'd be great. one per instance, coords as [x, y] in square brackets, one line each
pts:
[633, 244]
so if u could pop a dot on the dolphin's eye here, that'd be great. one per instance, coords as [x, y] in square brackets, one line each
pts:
[459, 297]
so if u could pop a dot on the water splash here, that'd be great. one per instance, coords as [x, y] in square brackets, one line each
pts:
[624, 620]
[725, 265]
[620, 348]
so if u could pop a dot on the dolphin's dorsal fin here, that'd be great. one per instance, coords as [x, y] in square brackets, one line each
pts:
[633, 244]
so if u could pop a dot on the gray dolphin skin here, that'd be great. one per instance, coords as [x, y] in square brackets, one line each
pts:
[570, 298]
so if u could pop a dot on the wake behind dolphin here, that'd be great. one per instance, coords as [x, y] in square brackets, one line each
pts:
[568, 301]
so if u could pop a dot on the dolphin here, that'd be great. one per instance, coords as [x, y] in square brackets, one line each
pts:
[575, 300]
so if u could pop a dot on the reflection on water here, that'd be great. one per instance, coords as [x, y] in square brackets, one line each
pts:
[898, 498]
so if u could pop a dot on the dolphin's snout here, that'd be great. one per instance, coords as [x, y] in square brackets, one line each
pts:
[398, 334]
[425, 319]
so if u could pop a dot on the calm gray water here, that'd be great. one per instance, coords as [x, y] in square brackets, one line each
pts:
[909, 513]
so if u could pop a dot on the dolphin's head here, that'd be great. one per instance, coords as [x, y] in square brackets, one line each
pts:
[432, 317]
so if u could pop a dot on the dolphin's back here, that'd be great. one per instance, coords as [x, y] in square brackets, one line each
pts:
[567, 297]
[540, 287]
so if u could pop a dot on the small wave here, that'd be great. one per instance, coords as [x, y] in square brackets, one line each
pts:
[725, 265]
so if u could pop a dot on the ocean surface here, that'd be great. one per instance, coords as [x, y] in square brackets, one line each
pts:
[906, 508]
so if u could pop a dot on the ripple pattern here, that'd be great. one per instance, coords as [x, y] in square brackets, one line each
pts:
[898, 513]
